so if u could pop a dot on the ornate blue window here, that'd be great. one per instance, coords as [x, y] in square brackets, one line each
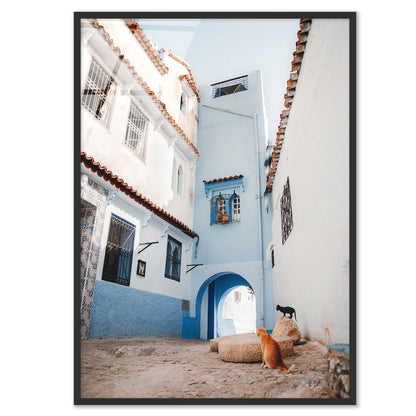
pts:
[224, 196]
[225, 208]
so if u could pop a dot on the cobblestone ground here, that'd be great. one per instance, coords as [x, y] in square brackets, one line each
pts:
[176, 368]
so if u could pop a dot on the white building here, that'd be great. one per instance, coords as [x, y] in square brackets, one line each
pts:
[138, 155]
[309, 184]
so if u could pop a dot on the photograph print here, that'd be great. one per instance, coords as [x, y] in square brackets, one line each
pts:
[215, 208]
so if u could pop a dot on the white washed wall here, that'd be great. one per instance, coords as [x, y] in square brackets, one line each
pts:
[149, 228]
[312, 267]
[152, 177]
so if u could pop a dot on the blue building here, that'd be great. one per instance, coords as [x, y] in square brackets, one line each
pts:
[233, 226]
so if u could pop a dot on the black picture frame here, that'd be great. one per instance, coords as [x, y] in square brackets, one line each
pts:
[141, 268]
[352, 17]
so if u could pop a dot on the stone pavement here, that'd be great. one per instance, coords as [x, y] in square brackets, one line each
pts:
[179, 368]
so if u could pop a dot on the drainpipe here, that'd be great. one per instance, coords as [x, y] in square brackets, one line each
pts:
[260, 214]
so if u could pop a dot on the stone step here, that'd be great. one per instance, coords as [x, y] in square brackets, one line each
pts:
[246, 348]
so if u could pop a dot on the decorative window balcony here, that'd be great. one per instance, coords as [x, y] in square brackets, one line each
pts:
[225, 208]
[224, 196]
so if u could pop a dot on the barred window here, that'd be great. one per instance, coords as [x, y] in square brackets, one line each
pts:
[119, 251]
[286, 212]
[173, 259]
[230, 86]
[136, 131]
[98, 92]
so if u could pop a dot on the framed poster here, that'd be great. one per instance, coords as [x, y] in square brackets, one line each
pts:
[189, 128]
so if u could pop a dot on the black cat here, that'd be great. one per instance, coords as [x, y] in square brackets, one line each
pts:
[286, 310]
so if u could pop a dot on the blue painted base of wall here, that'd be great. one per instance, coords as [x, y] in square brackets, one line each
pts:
[190, 328]
[123, 312]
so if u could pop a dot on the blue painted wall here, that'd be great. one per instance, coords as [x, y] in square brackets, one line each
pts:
[227, 144]
[120, 311]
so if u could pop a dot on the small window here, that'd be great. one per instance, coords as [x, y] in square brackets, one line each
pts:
[230, 86]
[179, 181]
[272, 256]
[119, 252]
[183, 104]
[136, 131]
[98, 92]
[286, 212]
[225, 208]
[174, 175]
[173, 259]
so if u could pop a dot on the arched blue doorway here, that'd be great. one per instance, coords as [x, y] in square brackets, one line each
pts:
[208, 304]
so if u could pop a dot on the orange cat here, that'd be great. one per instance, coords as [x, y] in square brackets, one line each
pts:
[270, 351]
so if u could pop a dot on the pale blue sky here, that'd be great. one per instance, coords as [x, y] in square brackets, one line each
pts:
[220, 49]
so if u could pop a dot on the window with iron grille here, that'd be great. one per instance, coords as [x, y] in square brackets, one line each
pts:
[225, 208]
[136, 131]
[119, 251]
[230, 86]
[98, 92]
[286, 212]
[173, 259]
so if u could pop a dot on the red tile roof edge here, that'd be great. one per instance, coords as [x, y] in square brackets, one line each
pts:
[191, 79]
[191, 84]
[305, 25]
[123, 186]
[228, 178]
[159, 103]
[138, 33]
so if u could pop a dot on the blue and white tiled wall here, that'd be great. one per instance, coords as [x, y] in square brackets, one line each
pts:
[93, 206]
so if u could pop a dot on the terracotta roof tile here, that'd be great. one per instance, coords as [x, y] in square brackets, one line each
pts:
[191, 84]
[228, 178]
[305, 25]
[123, 186]
[161, 105]
[151, 52]
[190, 79]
